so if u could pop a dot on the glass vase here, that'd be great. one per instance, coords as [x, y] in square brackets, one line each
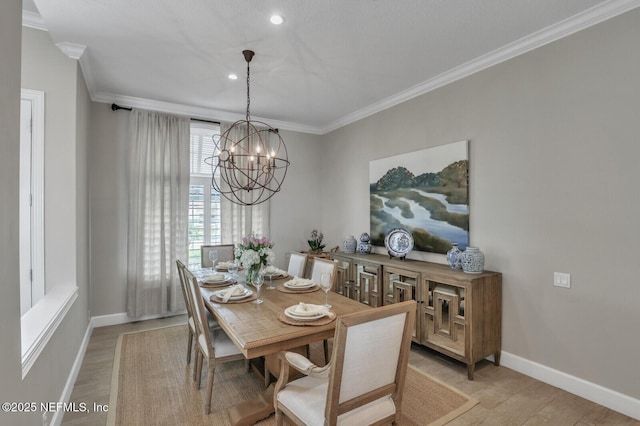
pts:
[252, 273]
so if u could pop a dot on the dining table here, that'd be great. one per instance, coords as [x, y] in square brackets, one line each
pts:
[262, 330]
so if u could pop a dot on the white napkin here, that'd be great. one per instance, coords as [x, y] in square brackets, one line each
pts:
[223, 265]
[308, 309]
[298, 282]
[234, 290]
[214, 278]
[280, 272]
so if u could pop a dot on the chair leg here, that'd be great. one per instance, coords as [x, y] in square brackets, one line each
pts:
[325, 343]
[279, 418]
[195, 366]
[199, 369]
[189, 346]
[207, 402]
[267, 374]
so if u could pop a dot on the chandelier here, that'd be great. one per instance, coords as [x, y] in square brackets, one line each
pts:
[250, 159]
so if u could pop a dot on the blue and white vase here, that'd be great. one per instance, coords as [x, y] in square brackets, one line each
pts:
[365, 246]
[349, 244]
[453, 257]
[472, 260]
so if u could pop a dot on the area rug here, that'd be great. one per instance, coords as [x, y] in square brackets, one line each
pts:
[151, 385]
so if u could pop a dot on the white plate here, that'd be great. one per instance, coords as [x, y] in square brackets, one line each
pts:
[290, 312]
[211, 280]
[220, 294]
[301, 287]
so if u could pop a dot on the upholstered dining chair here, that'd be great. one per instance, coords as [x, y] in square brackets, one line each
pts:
[363, 382]
[213, 346]
[191, 329]
[225, 253]
[324, 266]
[297, 264]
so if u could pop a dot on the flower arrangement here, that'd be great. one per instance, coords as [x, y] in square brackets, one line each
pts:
[254, 251]
[315, 243]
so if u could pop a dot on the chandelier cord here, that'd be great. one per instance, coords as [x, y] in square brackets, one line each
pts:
[248, 97]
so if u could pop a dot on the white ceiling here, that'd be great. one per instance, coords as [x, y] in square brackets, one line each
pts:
[331, 62]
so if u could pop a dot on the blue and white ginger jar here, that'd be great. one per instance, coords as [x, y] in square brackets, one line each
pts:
[472, 260]
[453, 257]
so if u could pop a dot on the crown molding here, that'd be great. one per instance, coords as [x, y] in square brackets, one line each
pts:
[72, 50]
[196, 112]
[581, 21]
[33, 20]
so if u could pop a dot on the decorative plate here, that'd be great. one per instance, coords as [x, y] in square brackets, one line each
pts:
[399, 242]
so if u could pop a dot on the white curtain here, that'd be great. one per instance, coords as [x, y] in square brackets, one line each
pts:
[238, 221]
[158, 211]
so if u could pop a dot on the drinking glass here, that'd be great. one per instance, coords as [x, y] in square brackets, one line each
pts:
[257, 283]
[325, 284]
[270, 271]
[213, 257]
[233, 268]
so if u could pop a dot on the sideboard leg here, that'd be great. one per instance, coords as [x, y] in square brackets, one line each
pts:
[496, 358]
[470, 369]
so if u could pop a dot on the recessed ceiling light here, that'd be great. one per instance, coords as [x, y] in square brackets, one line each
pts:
[277, 19]
[233, 76]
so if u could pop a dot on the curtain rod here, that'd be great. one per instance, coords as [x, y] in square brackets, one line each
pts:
[116, 107]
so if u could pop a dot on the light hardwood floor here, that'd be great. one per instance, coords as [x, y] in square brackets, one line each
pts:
[506, 397]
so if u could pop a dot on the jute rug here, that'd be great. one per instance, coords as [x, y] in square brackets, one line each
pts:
[152, 385]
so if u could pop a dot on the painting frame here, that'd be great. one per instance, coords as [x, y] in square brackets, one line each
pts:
[425, 192]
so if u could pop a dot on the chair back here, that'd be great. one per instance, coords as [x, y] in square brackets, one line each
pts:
[203, 337]
[297, 264]
[183, 285]
[370, 357]
[323, 266]
[225, 254]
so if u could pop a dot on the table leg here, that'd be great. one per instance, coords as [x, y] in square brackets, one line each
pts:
[249, 413]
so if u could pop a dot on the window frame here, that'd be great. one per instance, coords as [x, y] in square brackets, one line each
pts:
[202, 177]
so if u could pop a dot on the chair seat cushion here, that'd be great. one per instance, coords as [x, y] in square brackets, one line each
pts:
[306, 399]
[224, 347]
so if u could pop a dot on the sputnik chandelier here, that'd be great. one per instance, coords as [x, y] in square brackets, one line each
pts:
[250, 159]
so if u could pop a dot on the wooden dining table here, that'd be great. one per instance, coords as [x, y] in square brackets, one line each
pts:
[258, 332]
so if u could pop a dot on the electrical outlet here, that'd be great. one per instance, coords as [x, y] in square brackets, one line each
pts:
[561, 279]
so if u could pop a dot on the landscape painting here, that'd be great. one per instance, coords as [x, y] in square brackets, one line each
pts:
[425, 192]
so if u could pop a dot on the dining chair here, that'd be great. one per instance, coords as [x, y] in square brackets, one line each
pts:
[213, 346]
[225, 253]
[363, 382]
[324, 266]
[191, 329]
[297, 264]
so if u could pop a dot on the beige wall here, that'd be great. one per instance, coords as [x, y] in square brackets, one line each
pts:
[553, 153]
[294, 211]
[10, 36]
[65, 234]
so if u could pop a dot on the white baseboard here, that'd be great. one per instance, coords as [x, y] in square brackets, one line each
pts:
[606, 397]
[56, 420]
[123, 318]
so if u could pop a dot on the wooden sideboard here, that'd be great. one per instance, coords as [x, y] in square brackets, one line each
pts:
[458, 314]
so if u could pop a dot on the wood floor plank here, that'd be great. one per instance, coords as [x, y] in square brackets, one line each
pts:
[506, 397]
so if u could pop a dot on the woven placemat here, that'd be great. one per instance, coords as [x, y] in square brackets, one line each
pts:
[327, 319]
[282, 288]
[216, 299]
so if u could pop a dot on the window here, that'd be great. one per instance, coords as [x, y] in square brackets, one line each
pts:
[43, 304]
[32, 287]
[204, 200]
